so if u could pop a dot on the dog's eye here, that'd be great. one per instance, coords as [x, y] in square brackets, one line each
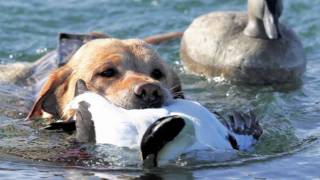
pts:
[157, 74]
[109, 72]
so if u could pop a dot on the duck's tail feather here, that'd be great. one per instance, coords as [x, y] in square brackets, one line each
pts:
[244, 127]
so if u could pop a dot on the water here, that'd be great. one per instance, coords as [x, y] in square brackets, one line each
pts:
[289, 148]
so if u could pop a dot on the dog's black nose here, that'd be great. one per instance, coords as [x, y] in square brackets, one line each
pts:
[149, 93]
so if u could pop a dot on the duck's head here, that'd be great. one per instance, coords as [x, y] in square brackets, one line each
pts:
[263, 19]
[97, 120]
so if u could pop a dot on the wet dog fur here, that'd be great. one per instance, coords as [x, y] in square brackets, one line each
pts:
[127, 72]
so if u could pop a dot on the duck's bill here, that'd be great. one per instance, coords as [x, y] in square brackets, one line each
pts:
[271, 24]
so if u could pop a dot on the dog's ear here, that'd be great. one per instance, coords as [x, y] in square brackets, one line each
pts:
[54, 87]
[175, 86]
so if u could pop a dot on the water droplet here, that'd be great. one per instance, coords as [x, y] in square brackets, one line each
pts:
[41, 50]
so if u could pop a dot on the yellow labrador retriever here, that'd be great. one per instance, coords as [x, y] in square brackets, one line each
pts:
[127, 72]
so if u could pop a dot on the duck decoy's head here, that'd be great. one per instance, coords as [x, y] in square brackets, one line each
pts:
[263, 18]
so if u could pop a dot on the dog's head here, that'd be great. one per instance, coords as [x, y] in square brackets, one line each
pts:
[127, 72]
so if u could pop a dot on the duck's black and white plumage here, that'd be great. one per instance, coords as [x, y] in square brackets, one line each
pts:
[162, 134]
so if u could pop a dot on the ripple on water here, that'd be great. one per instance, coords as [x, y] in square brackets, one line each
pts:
[288, 113]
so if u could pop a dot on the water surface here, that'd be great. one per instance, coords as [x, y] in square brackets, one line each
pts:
[289, 148]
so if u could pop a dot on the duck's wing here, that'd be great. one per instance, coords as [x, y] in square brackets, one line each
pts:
[244, 128]
[81, 122]
[158, 135]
